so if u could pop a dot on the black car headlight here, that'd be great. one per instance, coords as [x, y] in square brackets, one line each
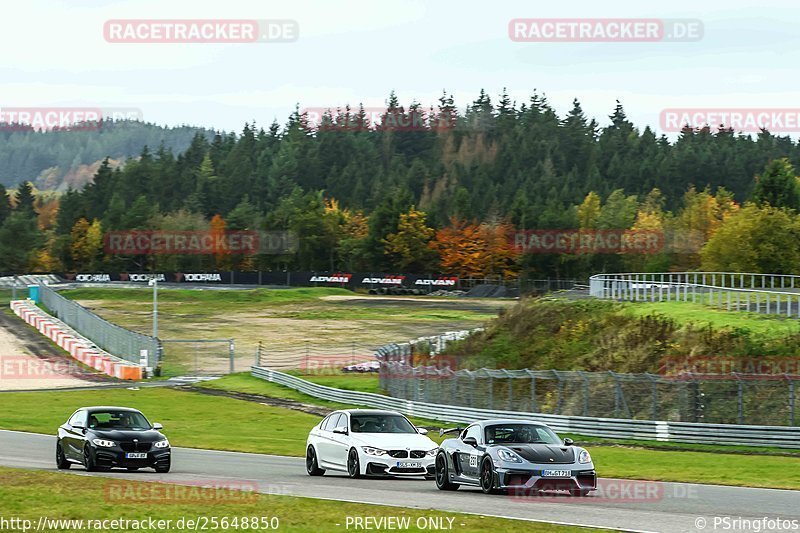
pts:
[369, 450]
[104, 443]
[584, 457]
[161, 444]
[508, 456]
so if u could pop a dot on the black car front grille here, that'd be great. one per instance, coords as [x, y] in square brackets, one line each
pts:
[398, 454]
[135, 446]
[417, 454]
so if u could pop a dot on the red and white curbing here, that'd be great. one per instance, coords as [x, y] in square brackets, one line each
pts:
[78, 347]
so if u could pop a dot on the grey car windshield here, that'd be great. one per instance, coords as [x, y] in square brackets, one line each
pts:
[380, 424]
[118, 420]
[520, 434]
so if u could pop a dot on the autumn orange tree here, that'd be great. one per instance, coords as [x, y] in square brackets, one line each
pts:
[476, 250]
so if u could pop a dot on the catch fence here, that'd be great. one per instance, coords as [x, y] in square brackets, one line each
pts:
[114, 339]
[721, 399]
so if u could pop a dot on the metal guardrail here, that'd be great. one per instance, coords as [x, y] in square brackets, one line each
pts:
[774, 436]
[760, 293]
[114, 339]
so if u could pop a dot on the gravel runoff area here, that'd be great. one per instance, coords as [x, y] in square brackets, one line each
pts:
[29, 361]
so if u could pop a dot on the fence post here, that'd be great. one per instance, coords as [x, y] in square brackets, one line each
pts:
[740, 406]
[491, 391]
[791, 401]
[534, 407]
[232, 355]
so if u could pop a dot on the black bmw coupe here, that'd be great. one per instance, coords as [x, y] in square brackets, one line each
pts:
[101, 438]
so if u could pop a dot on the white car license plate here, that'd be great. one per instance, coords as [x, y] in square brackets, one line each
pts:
[556, 473]
[136, 455]
[408, 464]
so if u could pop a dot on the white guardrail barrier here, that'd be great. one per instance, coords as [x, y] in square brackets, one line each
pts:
[775, 436]
[775, 294]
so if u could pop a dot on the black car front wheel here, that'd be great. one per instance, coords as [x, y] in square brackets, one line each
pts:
[488, 477]
[442, 475]
[353, 464]
[61, 459]
[164, 467]
[88, 460]
[312, 465]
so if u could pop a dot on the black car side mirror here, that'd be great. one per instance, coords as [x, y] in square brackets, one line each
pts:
[471, 441]
[568, 442]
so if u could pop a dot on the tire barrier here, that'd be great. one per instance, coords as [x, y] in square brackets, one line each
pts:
[77, 346]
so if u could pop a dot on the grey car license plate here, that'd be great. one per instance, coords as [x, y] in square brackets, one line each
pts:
[556, 473]
[135, 455]
[408, 464]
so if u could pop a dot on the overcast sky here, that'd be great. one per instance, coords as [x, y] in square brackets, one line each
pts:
[54, 54]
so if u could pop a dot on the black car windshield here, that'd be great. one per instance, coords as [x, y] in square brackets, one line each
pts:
[380, 424]
[520, 434]
[118, 420]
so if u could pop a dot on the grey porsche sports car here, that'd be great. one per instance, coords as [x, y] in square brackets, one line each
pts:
[513, 455]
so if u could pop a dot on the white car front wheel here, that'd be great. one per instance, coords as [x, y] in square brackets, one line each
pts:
[353, 464]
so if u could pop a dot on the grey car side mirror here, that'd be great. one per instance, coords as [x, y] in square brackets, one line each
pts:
[568, 442]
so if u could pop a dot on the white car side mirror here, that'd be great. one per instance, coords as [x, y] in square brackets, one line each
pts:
[341, 430]
[422, 431]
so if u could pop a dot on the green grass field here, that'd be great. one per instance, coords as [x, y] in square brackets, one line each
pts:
[62, 496]
[201, 421]
[768, 326]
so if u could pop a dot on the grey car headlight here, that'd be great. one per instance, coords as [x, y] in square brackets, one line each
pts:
[508, 456]
[104, 443]
[369, 450]
[584, 457]
[161, 444]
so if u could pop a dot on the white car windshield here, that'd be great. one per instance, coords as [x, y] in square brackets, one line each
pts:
[380, 424]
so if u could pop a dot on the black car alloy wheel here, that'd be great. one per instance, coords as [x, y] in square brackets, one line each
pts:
[61, 460]
[442, 481]
[353, 464]
[487, 476]
[88, 459]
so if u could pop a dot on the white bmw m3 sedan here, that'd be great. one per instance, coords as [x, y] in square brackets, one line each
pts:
[370, 443]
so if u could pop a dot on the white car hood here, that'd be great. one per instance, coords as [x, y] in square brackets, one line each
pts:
[394, 441]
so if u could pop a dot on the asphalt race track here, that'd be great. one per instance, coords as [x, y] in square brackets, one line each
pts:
[629, 505]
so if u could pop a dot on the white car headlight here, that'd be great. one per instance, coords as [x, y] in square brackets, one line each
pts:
[104, 443]
[584, 457]
[432, 453]
[161, 444]
[509, 456]
[369, 450]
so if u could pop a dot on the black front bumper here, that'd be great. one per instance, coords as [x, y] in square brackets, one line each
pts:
[111, 458]
[531, 480]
